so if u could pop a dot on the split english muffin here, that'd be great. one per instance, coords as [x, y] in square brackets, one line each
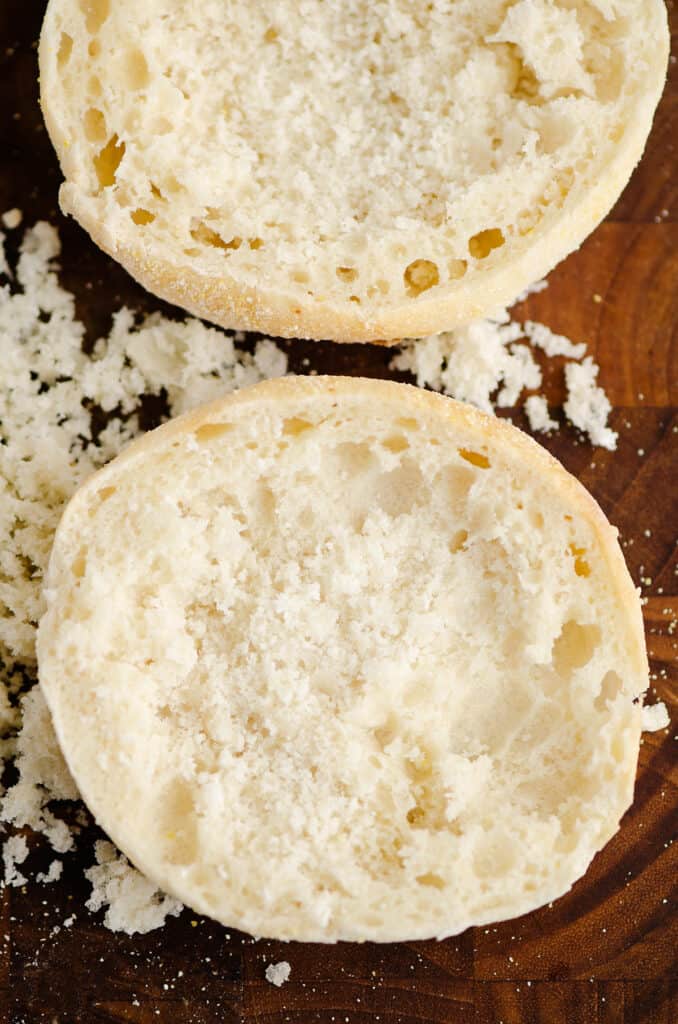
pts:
[343, 659]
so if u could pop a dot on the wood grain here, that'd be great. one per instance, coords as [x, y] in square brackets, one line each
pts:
[605, 953]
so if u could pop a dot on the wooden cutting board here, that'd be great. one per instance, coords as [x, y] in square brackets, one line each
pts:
[606, 952]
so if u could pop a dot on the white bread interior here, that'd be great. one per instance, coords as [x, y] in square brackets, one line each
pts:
[344, 659]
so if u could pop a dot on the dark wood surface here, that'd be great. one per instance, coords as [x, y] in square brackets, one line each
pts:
[606, 952]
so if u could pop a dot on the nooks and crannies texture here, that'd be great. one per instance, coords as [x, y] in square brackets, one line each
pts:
[357, 170]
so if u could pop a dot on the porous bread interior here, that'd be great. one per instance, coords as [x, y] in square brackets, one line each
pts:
[352, 158]
[352, 661]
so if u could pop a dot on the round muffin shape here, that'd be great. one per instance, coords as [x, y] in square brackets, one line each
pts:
[344, 659]
[356, 171]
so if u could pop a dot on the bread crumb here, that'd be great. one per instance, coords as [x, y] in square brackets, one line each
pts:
[655, 717]
[278, 974]
[537, 412]
[587, 406]
[552, 344]
[43, 776]
[53, 873]
[14, 851]
[12, 219]
[134, 904]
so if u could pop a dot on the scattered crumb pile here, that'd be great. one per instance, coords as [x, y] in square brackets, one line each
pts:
[43, 776]
[655, 717]
[278, 974]
[65, 411]
[127, 894]
[14, 852]
[489, 363]
[63, 414]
